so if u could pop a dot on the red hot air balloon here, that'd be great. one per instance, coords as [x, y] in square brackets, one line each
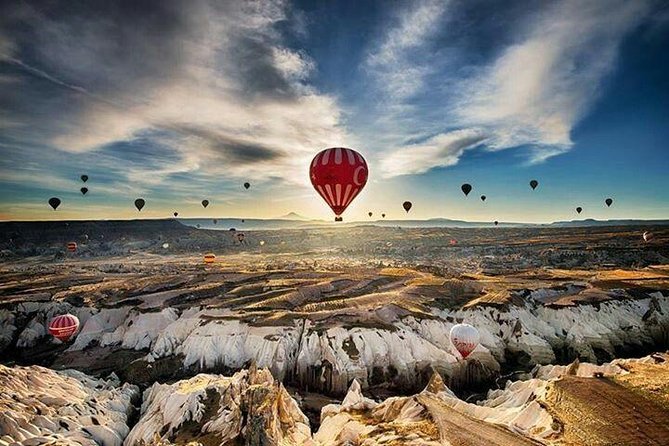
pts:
[338, 175]
[464, 338]
[63, 327]
[72, 247]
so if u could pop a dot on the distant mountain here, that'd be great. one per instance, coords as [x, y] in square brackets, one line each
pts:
[593, 222]
[293, 216]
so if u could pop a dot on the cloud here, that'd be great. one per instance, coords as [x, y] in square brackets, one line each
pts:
[439, 151]
[536, 89]
[212, 83]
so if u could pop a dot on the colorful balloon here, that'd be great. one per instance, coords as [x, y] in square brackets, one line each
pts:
[465, 338]
[63, 327]
[139, 203]
[209, 258]
[54, 202]
[407, 206]
[369, 213]
[338, 174]
[176, 214]
[72, 247]
[466, 188]
[534, 184]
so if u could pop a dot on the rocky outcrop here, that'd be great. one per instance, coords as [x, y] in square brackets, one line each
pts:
[40, 406]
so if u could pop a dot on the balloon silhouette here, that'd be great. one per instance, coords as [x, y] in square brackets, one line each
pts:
[579, 209]
[338, 174]
[139, 203]
[483, 197]
[534, 184]
[63, 327]
[247, 185]
[466, 189]
[176, 214]
[383, 215]
[369, 213]
[608, 202]
[84, 190]
[84, 178]
[407, 206]
[496, 222]
[205, 203]
[54, 202]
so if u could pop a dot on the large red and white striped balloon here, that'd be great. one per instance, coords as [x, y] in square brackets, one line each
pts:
[63, 327]
[338, 175]
[464, 338]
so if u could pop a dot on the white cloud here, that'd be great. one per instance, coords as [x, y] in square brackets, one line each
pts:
[439, 151]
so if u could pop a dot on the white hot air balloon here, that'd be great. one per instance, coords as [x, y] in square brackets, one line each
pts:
[464, 338]
[647, 236]
[166, 245]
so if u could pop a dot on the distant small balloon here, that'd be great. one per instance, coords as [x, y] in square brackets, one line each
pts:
[215, 221]
[579, 209]
[383, 215]
[483, 197]
[647, 236]
[205, 203]
[247, 185]
[243, 221]
[84, 178]
[466, 188]
[54, 202]
[407, 206]
[609, 202]
[139, 203]
[534, 184]
[369, 213]
[262, 242]
[496, 222]
[84, 190]
[166, 245]
[63, 327]
[176, 214]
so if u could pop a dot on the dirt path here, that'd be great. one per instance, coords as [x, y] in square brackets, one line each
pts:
[602, 412]
[460, 430]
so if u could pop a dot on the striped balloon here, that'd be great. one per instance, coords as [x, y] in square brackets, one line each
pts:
[464, 338]
[72, 246]
[338, 175]
[209, 258]
[63, 327]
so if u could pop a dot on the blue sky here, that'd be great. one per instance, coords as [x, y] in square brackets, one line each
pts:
[180, 101]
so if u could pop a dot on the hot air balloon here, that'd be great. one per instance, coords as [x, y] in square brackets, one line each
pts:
[647, 236]
[453, 242]
[383, 215]
[84, 178]
[338, 175]
[262, 242]
[534, 184]
[609, 202]
[176, 214]
[247, 185]
[209, 258]
[166, 245]
[243, 221]
[407, 206]
[496, 222]
[240, 237]
[215, 221]
[466, 188]
[63, 327]
[232, 229]
[54, 202]
[579, 209]
[464, 338]
[369, 213]
[483, 197]
[72, 247]
[205, 203]
[84, 190]
[197, 225]
[139, 203]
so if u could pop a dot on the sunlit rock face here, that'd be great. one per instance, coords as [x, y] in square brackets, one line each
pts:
[40, 406]
[249, 407]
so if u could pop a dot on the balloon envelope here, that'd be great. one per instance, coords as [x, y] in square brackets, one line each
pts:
[205, 203]
[63, 327]
[483, 197]
[579, 209]
[72, 246]
[139, 203]
[466, 188]
[534, 184]
[54, 202]
[647, 236]
[338, 174]
[176, 214]
[609, 202]
[247, 185]
[84, 190]
[84, 178]
[369, 213]
[407, 205]
[464, 338]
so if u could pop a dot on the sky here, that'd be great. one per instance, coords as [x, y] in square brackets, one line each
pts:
[177, 102]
